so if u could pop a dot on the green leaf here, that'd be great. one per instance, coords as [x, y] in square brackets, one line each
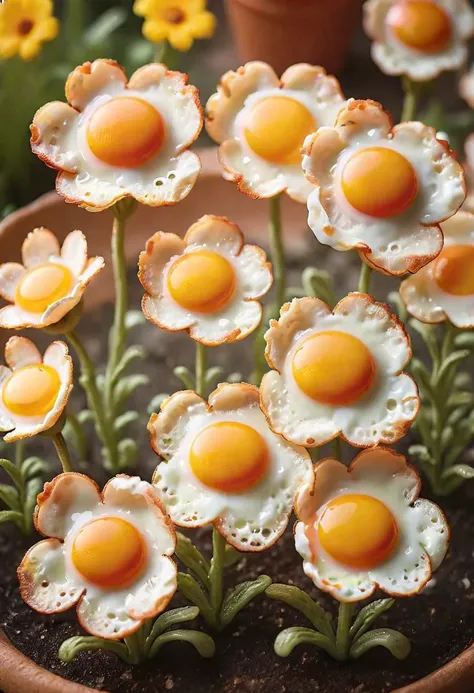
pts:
[301, 601]
[171, 618]
[192, 558]
[127, 386]
[11, 516]
[127, 453]
[422, 378]
[13, 472]
[104, 26]
[125, 419]
[33, 467]
[319, 283]
[463, 380]
[465, 339]
[131, 354]
[185, 375]
[453, 358]
[395, 300]
[138, 53]
[397, 643]
[212, 376]
[156, 402]
[234, 377]
[202, 642]
[10, 497]
[190, 589]
[290, 638]
[447, 436]
[33, 488]
[421, 453]
[133, 318]
[458, 399]
[85, 416]
[242, 595]
[462, 470]
[456, 416]
[366, 617]
[79, 643]
[231, 556]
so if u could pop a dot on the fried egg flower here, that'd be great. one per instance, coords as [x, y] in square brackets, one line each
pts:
[117, 139]
[261, 123]
[109, 554]
[33, 389]
[50, 282]
[24, 26]
[206, 283]
[363, 528]
[338, 373]
[419, 38]
[222, 464]
[381, 190]
[176, 21]
[444, 289]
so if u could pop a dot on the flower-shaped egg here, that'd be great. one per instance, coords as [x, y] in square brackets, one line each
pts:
[224, 465]
[50, 282]
[338, 373]
[381, 190]
[444, 289]
[419, 38]
[261, 123]
[33, 389]
[363, 528]
[118, 139]
[207, 283]
[109, 554]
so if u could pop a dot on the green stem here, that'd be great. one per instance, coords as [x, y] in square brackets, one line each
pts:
[412, 95]
[80, 437]
[344, 622]
[216, 573]
[201, 366]
[163, 53]
[277, 249]
[74, 21]
[63, 452]
[94, 398]
[336, 448]
[364, 278]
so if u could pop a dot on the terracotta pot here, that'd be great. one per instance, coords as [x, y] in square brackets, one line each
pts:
[211, 194]
[285, 32]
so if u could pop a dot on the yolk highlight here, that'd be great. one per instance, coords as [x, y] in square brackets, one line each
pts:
[125, 131]
[109, 552]
[31, 390]
[201, 281]
[333, 367]
[420, 24]
[276, 129]
[358, 530]
[42, 286]
[229, 456]
[379, 182]
[454, 270]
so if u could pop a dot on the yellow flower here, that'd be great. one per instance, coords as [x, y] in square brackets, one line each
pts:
[176, 21]
[24, 25]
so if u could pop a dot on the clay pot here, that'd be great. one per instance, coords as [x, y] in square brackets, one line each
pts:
[211, 194]
[285, 32]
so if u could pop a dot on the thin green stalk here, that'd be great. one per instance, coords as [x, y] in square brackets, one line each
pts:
[163, 53]
[411, 101]
[364, 278]
[277, 249]
[344, 622]
[63, 452]
[94, 397]
[216, 572]
[74, 21]
[201, 367]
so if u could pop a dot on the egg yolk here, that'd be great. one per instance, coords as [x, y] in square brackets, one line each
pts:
[333, 367]
[31, 390]
[125, 131]
[276, 128]
[201, 281]
[420, 24]
[379, 182]
[229, 456]
[454, 270]
[357, 530]
[109, 552]
[42, 286]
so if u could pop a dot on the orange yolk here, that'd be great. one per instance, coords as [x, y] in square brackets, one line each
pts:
[229, 456]
[31, 390]
[454, 270]
[333, 367]
[379, 182]
[125, 131]
[201, 281]
[420, 24]
[42, 286]
[357, 530]
[109, 552]
[276, 129]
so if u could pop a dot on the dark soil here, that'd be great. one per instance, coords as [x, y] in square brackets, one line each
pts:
[439, 622]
